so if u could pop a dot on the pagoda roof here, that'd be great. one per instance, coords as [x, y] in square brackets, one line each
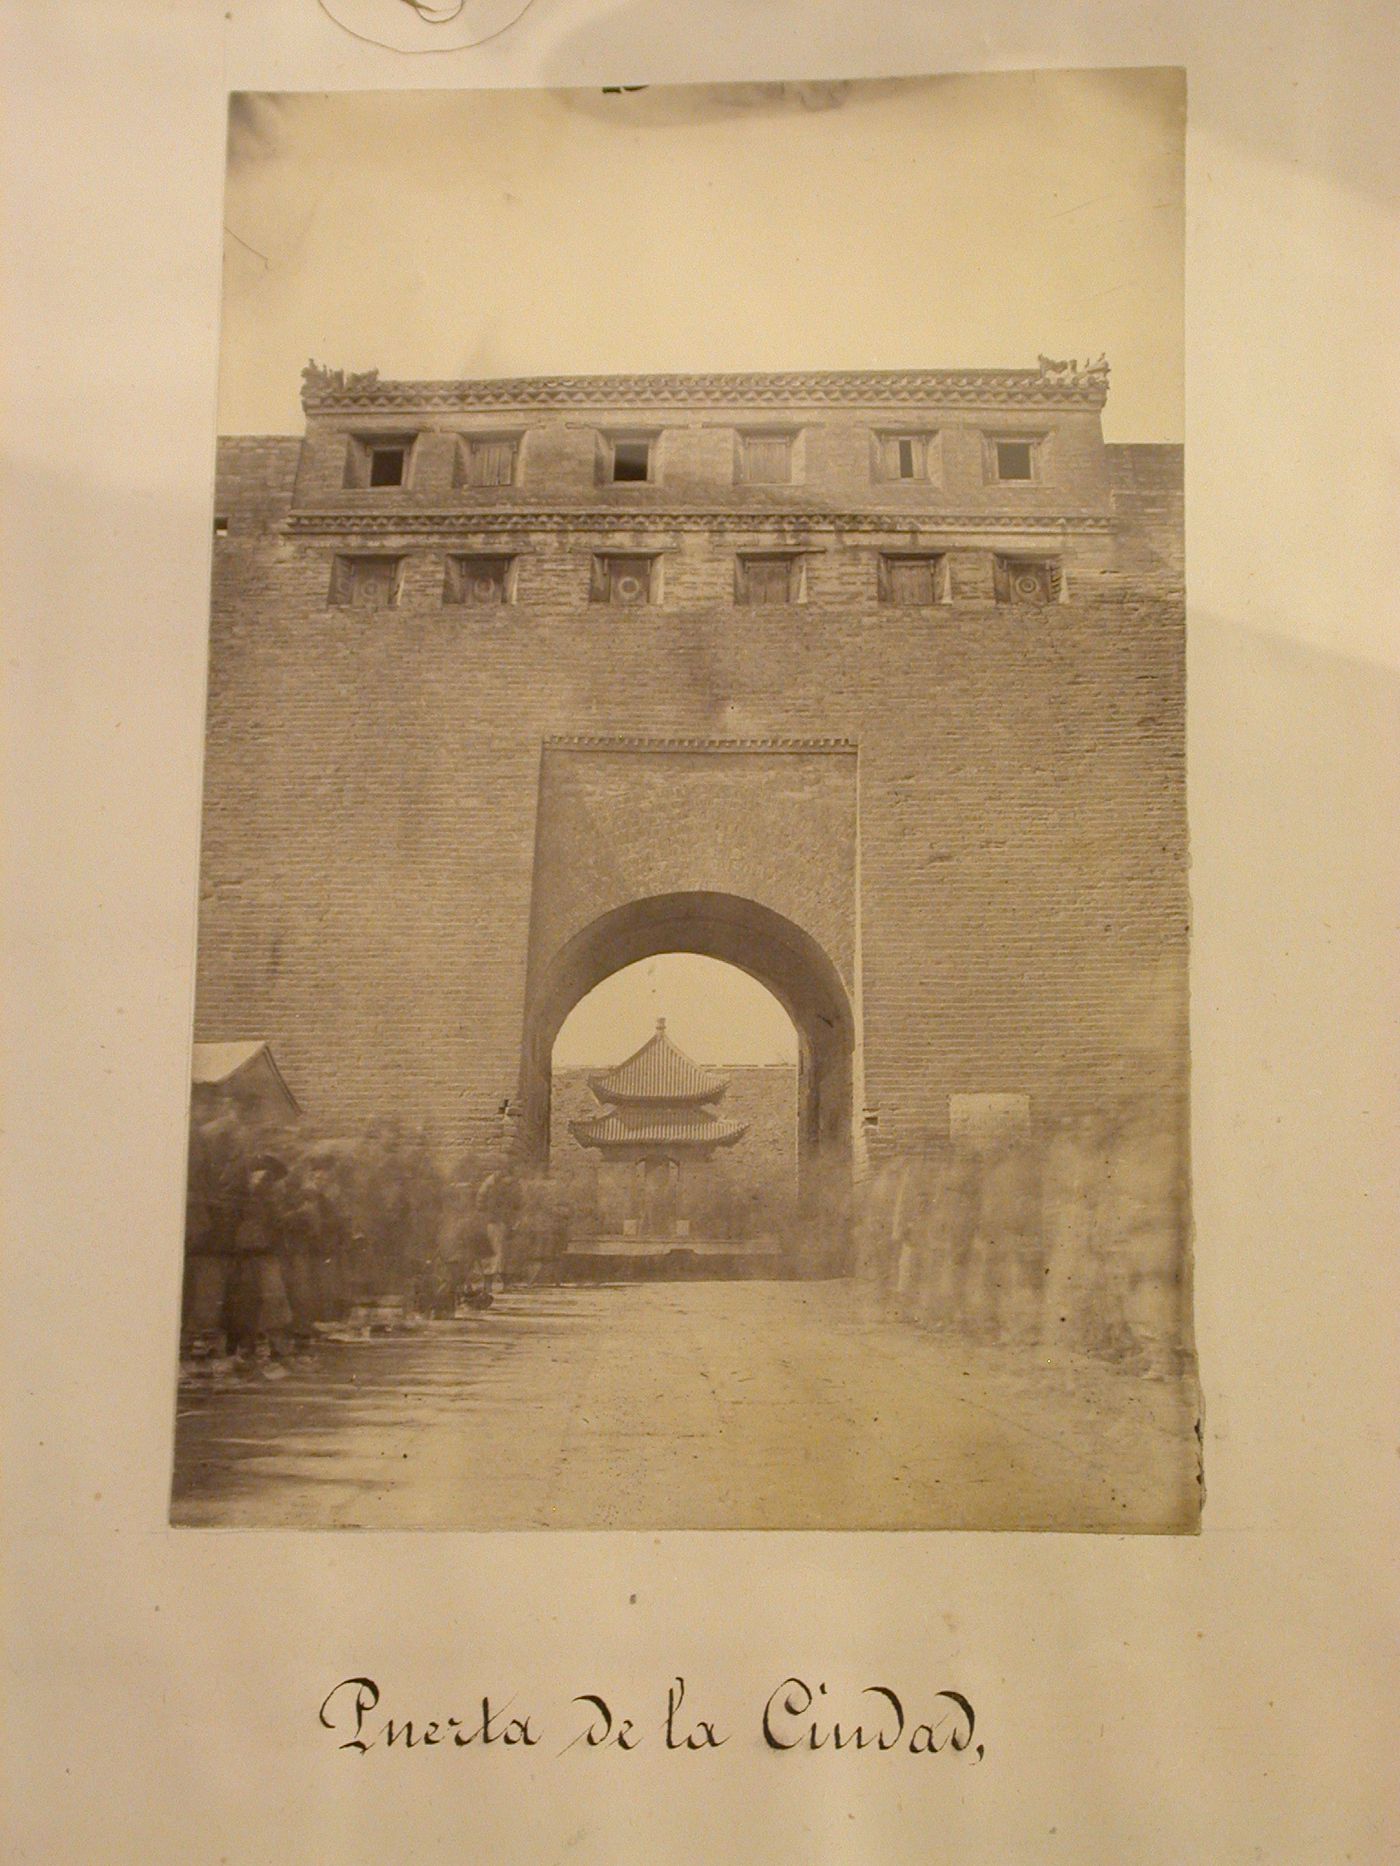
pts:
[659, 1073]
[638, 1125]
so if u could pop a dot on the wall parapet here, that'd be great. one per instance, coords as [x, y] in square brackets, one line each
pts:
[627, 742]
[1049, 385]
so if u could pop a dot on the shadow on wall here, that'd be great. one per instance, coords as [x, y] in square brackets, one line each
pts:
[1074, 1236]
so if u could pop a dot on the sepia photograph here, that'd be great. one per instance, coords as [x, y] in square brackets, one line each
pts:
[692, 982]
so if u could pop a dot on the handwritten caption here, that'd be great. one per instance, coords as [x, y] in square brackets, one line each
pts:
[796, 1717]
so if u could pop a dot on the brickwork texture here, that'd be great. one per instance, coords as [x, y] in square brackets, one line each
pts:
[994, 861]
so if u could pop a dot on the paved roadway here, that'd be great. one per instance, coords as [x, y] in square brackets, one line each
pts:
[683, 1406]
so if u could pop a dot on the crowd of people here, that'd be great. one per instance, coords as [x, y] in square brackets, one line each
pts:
[1069, 1234]
[288, 1235]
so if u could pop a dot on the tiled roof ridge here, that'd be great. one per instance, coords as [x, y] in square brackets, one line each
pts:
[666, 1124]
[658, 1072]
[1049, 382]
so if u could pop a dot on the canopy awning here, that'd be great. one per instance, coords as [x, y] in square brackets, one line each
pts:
[243, 1070]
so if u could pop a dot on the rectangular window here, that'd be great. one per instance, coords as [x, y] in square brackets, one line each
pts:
[378, 460]
[902, 456]
[479, 579]
[765, 459]
[770, 577]
[631, 460]
[1014, 459]
[914, 578]
[365, 582]
[488, 460]
[1028, 580]
[386, 465]
[629, 579]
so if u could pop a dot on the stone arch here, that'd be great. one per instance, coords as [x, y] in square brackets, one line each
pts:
[743, 933]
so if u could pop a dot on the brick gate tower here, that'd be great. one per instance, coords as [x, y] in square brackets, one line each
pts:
[869, 683]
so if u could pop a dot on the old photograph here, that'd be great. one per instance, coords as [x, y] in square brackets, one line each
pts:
[691, 1017]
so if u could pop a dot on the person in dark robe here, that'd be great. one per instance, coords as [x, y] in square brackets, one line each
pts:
[259, 1315]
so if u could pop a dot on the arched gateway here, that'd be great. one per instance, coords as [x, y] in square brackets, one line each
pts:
[742, 850]
[743, 933]
[907, 749]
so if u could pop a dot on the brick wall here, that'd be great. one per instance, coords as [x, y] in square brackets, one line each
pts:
[372, 777]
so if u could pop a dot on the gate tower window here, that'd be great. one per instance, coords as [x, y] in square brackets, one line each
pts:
[487, 460]
[631, 459]
[378, 460]
[1028, 580]
[902, 456]
[365, 581]
[764, 459]
[768, 577]
[1013, 459]
[626, 456]
[476, 578]
[912, 577]
[628, 578]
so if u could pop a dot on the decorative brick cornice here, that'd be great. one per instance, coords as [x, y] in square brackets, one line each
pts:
[609, 519]
[1049, 385]
[638, 742]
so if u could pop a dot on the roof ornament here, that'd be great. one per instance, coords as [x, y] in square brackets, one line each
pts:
[317, 379]
[1070, 374]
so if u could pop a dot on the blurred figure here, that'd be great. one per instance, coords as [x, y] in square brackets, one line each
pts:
[499, 1200]
[298, 1243]
[259, 1315]
[218, 1174]
[458, 1231]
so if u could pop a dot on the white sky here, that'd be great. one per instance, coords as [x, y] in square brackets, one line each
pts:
[965, 221]
[716, 1013]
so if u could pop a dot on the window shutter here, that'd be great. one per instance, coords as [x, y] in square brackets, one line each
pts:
[901, 456]
[369, 582]
[910, 580]
[479, 580]
[490, 462]
[342, 581]
[375, 582]
[768, 579]
[364, 589]
[767, 457]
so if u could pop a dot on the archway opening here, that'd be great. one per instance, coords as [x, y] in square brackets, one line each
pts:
[673, 1117]
[775, 954]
